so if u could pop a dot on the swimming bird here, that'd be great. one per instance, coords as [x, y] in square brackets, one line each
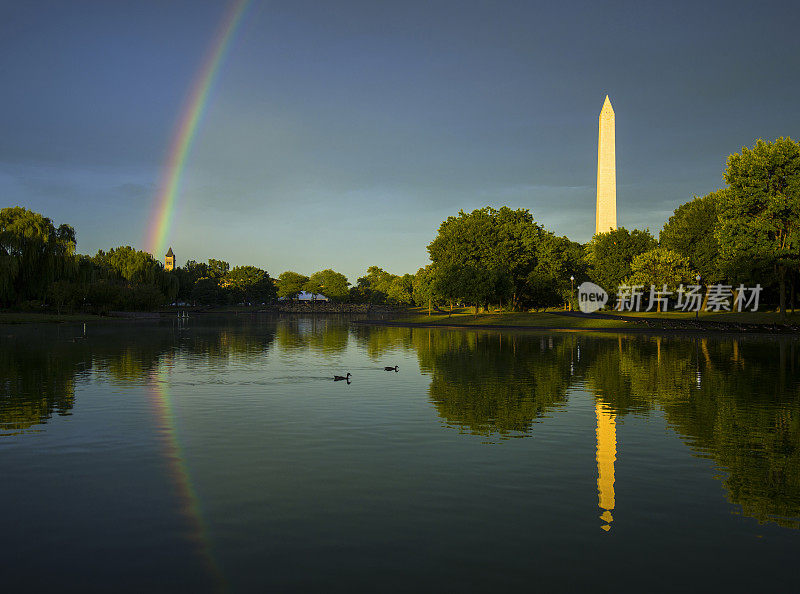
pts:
[395, 369]
[339, 378]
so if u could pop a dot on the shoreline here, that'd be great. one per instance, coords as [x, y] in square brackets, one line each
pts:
[14, 318]
[561, 321]
[627, 325]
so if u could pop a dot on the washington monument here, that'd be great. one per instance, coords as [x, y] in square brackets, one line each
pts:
[606, 217]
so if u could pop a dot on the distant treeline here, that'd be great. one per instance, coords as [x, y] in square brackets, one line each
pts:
[747, 232]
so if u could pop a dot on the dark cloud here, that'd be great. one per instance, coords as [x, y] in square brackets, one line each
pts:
[382, 117]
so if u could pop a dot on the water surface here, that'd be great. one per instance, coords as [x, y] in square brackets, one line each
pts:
[219, 455]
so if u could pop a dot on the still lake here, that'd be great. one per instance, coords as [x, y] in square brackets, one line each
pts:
[208, 455]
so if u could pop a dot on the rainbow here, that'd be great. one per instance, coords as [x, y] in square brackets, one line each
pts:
[188, 499]
[163, 210]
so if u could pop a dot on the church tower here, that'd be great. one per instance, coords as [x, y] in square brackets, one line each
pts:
[169, 260]
[606, 215]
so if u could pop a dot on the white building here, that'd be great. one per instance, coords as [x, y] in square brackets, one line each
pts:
[305, 296]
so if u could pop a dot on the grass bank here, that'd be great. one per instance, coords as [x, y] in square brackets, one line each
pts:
[10, 317]
[767, 321]
[547, 319]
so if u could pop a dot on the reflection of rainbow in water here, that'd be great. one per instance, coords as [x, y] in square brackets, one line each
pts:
[187, 495]
[169, 187]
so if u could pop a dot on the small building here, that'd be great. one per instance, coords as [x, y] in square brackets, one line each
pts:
[169, 260]
[305, 296]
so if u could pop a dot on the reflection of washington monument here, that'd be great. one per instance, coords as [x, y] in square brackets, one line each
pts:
[606, 454]
[606, 457]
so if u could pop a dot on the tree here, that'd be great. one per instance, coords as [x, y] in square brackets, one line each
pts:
[660, 267]
[33, 254]
[133, 265]
[400, 289]
[759, 214]
[423, 289]
[137, 269]
[250, 284]
[206, 291]
[217, 268]
[609, 255]
[290, 284]
[144, 296]
[197, 270]
[487, 240]
[329, 283]
[376, 284]
[449, 282]
[558, 259]
[690, 232]
[66, 294]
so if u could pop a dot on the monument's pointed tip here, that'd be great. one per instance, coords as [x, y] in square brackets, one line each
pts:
[607, 108]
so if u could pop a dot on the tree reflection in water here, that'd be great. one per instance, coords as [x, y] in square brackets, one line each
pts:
[494, 385]
[735, 400]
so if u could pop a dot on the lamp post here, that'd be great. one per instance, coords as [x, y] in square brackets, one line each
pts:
[697, 311]
[572, 291]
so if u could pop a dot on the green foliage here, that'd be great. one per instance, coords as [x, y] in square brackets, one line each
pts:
[558, 259]
[503, 256]
[610, 255]
[144, 284]
[104, 295]
[401, 289]
[375, 285]
[759, 214]
[250, 284]
[67, 295]
[217, 268]
[690, 232]
[660, 267]
[329, 283]
[473, 251]
[143, 297]
[37, 262]
[33, 254]
[423, 288]
[207, 291]
[290, 284]
[133, 265]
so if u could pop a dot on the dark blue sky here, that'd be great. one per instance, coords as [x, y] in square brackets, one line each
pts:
[341, 134]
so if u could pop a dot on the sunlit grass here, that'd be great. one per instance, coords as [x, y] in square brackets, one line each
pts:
[551, 319]
[465, 317]
[745, 317]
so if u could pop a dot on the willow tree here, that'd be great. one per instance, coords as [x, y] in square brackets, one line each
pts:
[33, 254]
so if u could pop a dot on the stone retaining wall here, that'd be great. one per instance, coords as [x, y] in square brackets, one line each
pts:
[328, 307]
